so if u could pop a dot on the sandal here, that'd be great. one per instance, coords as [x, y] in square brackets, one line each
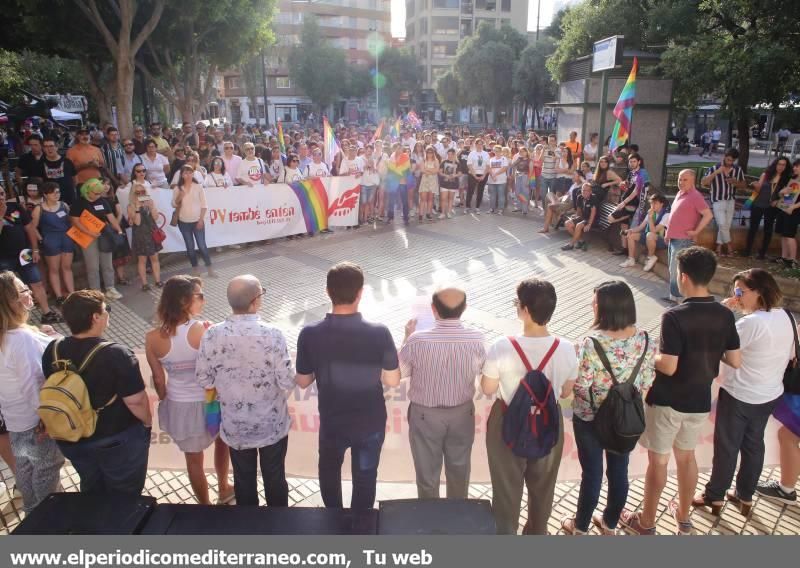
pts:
[744, 507]
[159, 284]
[701, 501]
[146, 288]
[685, 528]
[123, 281]
[597, 520]
[569, 528]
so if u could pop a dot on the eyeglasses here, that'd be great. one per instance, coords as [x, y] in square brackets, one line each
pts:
[263, 291]
[515, 302]
[107, 309]
[139, 171]
[199, 295]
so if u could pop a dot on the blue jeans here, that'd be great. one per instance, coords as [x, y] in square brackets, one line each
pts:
[676, 246]
[549, 185]
[497, 196]
[115, 464]
[590, 454]
[522, 191]
[365, 454]
[401, 195]
[190, 234]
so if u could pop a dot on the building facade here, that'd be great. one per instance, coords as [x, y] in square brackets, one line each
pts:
[434, 29]
[346, 24]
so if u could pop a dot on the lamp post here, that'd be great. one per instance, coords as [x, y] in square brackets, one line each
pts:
[374, 30]
[264, 77]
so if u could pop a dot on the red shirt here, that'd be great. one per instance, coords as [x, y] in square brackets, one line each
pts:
[687, 210]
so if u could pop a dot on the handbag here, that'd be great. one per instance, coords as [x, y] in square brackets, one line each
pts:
[159, 236]
[173, 222]
[791, 377]
[109, 240]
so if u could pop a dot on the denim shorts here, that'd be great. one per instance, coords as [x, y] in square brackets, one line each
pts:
[660, 243]
[54, 244]
[367, 193]
[29, 273]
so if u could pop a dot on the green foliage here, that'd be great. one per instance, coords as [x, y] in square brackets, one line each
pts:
[400, 68]
[38, 74]
[485, 64]
[316, 67]
[357, 82]
[448, 90]
[532, 82]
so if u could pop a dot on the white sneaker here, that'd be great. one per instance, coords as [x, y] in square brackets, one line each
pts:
[441, 216]
[113, 294]
[651, 262]
[628, 263]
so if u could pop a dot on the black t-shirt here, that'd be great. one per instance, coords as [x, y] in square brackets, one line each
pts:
[347, 356]
[448, 168]
[584, 206]
[698, 332]
[13, 237]
[113, 371]
[31, 166]
[463, 168]
[101, 208]
[61, 171]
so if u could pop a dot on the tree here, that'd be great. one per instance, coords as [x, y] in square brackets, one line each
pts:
[358, 82]
[252, 74]
[742, 53]
[532, 81]
[448, 91]
[195, 38]
[316, 67]
[401, 72]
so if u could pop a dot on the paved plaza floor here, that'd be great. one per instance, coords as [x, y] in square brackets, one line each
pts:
[489, 255]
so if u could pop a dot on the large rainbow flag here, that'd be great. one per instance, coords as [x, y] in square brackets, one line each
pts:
[330, 146]
[281, 141]
[395, 132]
[314, 203]
[624, 110]
[378, 131]
[413, 119]
[398, 172]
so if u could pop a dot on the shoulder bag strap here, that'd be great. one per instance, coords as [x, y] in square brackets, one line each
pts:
[794, 330]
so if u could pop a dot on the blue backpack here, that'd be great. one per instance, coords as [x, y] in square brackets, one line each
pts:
[531, 420]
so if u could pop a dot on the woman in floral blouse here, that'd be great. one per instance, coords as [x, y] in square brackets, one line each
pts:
[624, 344]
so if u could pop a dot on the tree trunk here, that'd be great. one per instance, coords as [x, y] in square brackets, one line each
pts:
[743, 128]
[124, 99]
[97, 90]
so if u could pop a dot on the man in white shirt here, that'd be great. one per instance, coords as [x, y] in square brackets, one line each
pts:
[535, 303]
[317, 168]
[590, 150]
[232, 161]
[352, 165]
[478, 165]
[252, 170]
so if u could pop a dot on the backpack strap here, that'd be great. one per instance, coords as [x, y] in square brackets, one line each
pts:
[604, 359]
[87, 360]
[794, 329]
[521, 353]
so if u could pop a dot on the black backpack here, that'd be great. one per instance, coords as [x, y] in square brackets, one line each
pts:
[531, 420]
[619, 422]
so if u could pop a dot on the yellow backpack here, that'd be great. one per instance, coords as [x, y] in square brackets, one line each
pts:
[64, 404]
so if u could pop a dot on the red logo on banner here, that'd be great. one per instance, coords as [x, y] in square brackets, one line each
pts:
[346, 200]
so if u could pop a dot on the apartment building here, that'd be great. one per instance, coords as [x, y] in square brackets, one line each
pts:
[434, 29]
[346, 24]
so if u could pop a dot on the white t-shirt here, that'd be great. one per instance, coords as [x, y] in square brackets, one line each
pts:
[716, 135]
[503, 362]
[276, 170]
[21, 377]
[502, 176]
[479, 161]
[251, 170]
[291, 175]
[155, 169]
[197, 176]
[590, 153]
[232, 166]
[371, 176]
[351, 167]
[316, 170]
[217, 180]
[767, 343]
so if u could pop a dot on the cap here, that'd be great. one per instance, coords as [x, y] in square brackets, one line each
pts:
[82, 130]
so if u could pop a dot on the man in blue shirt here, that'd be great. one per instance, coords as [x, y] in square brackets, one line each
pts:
[351, 361]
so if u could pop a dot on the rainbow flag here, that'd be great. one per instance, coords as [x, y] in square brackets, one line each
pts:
[401, 167]
[624, 110]
[212, 412]
[396, 128]
[330, 146]
[281, 141]
[413, 119]
[378, 131]
[750, 200]
[532, 180]
[314, 203]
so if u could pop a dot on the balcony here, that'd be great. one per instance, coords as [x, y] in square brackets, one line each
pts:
[467, 8]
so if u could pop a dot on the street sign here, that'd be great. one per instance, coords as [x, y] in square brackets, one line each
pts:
[606, 53]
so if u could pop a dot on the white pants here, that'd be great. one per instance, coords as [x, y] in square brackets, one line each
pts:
[723, 216]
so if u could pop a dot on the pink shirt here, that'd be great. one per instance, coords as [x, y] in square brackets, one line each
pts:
[232, 166]
[687, 210]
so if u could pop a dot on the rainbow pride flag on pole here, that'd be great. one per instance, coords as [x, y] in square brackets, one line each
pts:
[413, 119]
[281, 141]
[314, 203]
[624, 110]
[330, 146]
[378, 131]
[396, 128]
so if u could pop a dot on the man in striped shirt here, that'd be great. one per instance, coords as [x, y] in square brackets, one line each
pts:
[443, 364]
[724, 178]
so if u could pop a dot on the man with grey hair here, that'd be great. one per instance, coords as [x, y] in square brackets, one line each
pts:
[689, 216]
[443, 364]
[248, 362]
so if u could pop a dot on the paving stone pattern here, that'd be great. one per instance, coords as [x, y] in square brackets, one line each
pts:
[489, 255]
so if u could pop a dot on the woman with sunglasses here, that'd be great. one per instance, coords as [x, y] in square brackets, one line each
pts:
[143, 217]
[192, 159]
[171, 351]
[138, 177]
[38, 459]
[51, 221]
[217, 177]
[189, 199]
[291, 172]
[157, 165]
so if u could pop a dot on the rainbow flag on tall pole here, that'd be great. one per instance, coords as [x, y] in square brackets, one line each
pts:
[330, 146]
[396, 128]
[378, 131]
[624, 110]
[281, 141]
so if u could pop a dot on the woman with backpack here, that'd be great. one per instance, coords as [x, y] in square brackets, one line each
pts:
[172, 354]
[38, 459]
[615, 348]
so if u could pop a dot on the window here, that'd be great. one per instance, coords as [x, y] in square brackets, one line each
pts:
[353, 43]
[423, 26]
[283, 83]
[410, 32]
[446, 4]
[232, 83]
[260, 110]
[488, 5]
[423, 50]
[444, 49]
[466, 28]
[445, 25]
[409, 8]
[505, 6]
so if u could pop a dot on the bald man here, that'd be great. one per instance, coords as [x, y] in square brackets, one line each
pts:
[442, 365]
[248, 362]
[689, 216]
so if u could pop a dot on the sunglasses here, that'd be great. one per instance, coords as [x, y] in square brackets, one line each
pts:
[263, 291]
[138, 171]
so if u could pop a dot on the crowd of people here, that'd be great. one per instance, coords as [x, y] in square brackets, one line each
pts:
[244, 364]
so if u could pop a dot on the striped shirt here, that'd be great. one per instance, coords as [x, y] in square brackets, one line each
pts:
[443, 363]
[550, 159]
[721, 190]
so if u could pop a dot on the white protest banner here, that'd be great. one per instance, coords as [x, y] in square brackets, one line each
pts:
[243, 214]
